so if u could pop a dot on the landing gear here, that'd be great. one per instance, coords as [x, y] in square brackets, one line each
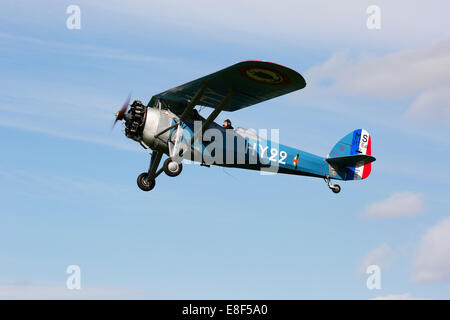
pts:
[334, 187]
[172, 168]
[144, 183]
[146, 180]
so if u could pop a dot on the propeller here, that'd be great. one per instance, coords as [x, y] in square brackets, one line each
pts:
[121, 113]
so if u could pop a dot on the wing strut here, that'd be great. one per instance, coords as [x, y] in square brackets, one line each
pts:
[187, 112]
[213, 116]
[193, 102]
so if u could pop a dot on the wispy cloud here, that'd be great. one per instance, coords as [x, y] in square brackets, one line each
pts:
[66, 109]
[422, 75]
[382, 256]
[298, 21]
[65, 134]
[82, 49]
[432, 259]
[400, 204]
[433, 103]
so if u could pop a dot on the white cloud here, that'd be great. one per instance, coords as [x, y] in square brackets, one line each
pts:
[421, 75]
[299, 21]
[103, 139]
[433, 103]
[83, 49]
[400, 204]
[403, 296]
[432, 260]
[382, 256]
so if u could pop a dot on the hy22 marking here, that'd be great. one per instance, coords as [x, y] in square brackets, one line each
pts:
[273, 153]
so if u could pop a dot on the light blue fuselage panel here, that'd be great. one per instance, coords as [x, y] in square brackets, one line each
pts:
[241, 149]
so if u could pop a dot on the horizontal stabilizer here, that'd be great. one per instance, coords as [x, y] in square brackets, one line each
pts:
[351, 161]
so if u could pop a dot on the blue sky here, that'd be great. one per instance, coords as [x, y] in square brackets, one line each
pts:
[68, 183]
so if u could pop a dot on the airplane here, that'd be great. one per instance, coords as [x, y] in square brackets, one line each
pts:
[171, 125]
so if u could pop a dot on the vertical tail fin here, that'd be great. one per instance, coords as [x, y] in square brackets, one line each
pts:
[357, 142]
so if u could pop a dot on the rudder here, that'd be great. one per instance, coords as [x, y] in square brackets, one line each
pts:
[357, 142]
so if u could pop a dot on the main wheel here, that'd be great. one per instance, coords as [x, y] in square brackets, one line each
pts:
[172, 168]
[336, 188]
[145, 184]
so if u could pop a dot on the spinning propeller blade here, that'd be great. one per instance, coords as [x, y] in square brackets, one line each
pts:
[121, 113]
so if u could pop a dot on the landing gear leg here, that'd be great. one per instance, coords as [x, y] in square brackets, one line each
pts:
[334, 187]
[146, 180]
[173, 165]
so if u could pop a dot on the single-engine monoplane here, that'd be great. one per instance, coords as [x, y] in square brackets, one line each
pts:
[170, 125]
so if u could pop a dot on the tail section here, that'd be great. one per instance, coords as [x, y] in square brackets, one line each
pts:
[353, 155]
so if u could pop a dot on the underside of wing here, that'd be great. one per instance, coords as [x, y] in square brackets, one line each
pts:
[250, 82]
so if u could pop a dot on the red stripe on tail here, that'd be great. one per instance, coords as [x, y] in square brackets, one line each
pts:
[368, 167]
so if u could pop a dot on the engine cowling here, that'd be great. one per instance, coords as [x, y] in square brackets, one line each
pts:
[143, 123]
[156, 121]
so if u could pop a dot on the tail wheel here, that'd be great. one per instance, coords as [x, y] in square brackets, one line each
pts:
[143, 182]
[172, 168]
[336, 188]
